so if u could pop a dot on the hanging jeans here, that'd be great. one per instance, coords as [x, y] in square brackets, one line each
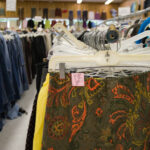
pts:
[5, 73]
[22, 68]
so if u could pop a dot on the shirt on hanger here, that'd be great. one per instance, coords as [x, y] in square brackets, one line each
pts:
[91, 15]
[58, 12]
[97, 16]
[103, 15]
[30, 24]
[45, 13]
[70, 17]
[33, 12]
[85, 15]
[47, 24]
[79, 14]
[21, 13]
[24, 24]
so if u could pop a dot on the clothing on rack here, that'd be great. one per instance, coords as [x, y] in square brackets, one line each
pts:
[105, 114]
[134, 7]
[85, 18]
[64, 23]
[53, 23]
[64, 11]
[70, 17]
[13, 24]
[79, 14]
[47, 24]
[96, 39]
[113, 12]
[35, 48]
[45, 13]
[3, 25]
[91, 15]
[58, 12]
[41, 24]
[97, 16]
[33, 12]
[109, 111]
[146, 4]
[89, 24]
[13, 77]
[21, 13]
[24, 24]
[40, 115]
[85, 15]
[103, 15]
[30, 24]
[41, 75]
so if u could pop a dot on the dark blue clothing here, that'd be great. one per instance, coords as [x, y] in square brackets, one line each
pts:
[13, 77]
[13, 113]
[17, 84]
[22, 67]
[6, 70]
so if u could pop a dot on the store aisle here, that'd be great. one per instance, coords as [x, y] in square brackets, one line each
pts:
[13, 135]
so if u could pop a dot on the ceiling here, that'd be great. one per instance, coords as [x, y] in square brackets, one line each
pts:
[100, 1]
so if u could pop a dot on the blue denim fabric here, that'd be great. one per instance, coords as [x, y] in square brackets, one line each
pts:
[22, 67]
[3, 96]
[17, 84]
[13, 113]
[13, 77]
[6, 70]
[2, 122]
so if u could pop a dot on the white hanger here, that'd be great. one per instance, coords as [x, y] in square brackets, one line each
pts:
[68, 44]
[125, 44]
[8, 37]
[145, 50]
[60, 28]
[103, 58]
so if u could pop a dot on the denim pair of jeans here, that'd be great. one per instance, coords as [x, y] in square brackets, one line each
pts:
[22, 68]
[17, 84]
[6, 82]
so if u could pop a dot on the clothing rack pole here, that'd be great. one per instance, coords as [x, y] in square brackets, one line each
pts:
[141, 12]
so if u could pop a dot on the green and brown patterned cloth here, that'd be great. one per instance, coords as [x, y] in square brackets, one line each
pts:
[105, 114]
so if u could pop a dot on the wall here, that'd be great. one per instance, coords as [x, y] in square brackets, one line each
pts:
[67, 5]
[129, 3]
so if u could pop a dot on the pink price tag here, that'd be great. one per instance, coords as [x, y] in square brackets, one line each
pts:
[77, 79]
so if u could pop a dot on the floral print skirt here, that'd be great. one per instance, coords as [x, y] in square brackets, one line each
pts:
[105, 114]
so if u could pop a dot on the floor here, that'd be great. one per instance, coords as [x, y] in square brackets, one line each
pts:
[13, 135]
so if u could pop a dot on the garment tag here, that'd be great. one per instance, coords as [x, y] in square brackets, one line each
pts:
[62, 70]
[77, 79]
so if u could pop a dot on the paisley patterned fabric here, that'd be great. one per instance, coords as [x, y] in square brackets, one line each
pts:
[105, 114]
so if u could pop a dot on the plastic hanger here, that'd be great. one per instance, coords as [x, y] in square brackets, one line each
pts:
[62, 47]
[125, 44]
[60, 28]
[105, 58]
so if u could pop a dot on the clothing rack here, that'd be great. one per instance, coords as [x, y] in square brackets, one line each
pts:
[120, 18]
[32, 34]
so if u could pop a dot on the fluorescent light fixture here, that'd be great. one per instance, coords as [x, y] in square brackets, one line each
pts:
[108, 2]
[79, 1]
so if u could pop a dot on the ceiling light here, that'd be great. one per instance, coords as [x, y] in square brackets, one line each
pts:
[79, 1]
[108, 2]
